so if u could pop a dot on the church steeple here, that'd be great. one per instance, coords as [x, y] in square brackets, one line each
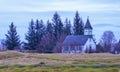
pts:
[88, 25]
[88, 28]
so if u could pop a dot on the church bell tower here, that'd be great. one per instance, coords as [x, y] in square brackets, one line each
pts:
[88, 28]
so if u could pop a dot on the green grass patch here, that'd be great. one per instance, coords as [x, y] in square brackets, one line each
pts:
[59, 68]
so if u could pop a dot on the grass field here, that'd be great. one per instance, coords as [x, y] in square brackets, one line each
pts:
[12, 61]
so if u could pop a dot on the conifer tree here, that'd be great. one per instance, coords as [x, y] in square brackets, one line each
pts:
[40, 29]
[58, 26]
[48, 41]
[49, 27]
[12, 38]
[67, 28]
[78, 25]
[30, 37]
[39, 32]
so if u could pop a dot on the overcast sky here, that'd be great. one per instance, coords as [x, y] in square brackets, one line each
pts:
[59, 5]
[104, 14]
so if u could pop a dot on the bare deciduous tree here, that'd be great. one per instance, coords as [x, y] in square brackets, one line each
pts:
[107, 41]
[116, 49]
[47, 43]
[58, 46]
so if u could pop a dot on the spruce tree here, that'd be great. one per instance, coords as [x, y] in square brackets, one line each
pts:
[40, 29]
[67, 28]
[49, 27]
[39, 32]
[58, 26]
[48, 41]
[30, 37]
[78, 25]
[12, 38]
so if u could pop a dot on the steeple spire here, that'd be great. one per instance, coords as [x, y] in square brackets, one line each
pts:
[88, 28]
[88, 25]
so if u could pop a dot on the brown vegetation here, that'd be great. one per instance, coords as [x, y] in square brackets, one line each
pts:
[17, 58]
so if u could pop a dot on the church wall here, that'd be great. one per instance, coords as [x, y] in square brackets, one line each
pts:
[89, 46]
[72, 49]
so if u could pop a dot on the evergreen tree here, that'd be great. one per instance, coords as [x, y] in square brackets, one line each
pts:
[58, 26]
[78, 25]
[39, 32]
[47, 42]
[12, 39]
[67, 28]
[49, 28]
[31, 37]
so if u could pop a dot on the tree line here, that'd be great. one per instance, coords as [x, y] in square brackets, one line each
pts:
[45, 38]
[48, 37]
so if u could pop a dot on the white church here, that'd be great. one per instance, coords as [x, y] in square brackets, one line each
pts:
[80, 43]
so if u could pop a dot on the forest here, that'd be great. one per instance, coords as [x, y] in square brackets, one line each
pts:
[48, 37]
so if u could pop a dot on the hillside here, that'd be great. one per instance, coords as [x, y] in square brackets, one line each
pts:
[13, 61]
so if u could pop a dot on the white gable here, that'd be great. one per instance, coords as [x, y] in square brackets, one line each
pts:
[90, 44]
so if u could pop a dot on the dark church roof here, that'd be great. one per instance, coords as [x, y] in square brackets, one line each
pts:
[76, 39]
[88, 25]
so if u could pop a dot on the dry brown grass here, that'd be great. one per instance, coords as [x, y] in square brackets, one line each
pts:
[15, 58]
